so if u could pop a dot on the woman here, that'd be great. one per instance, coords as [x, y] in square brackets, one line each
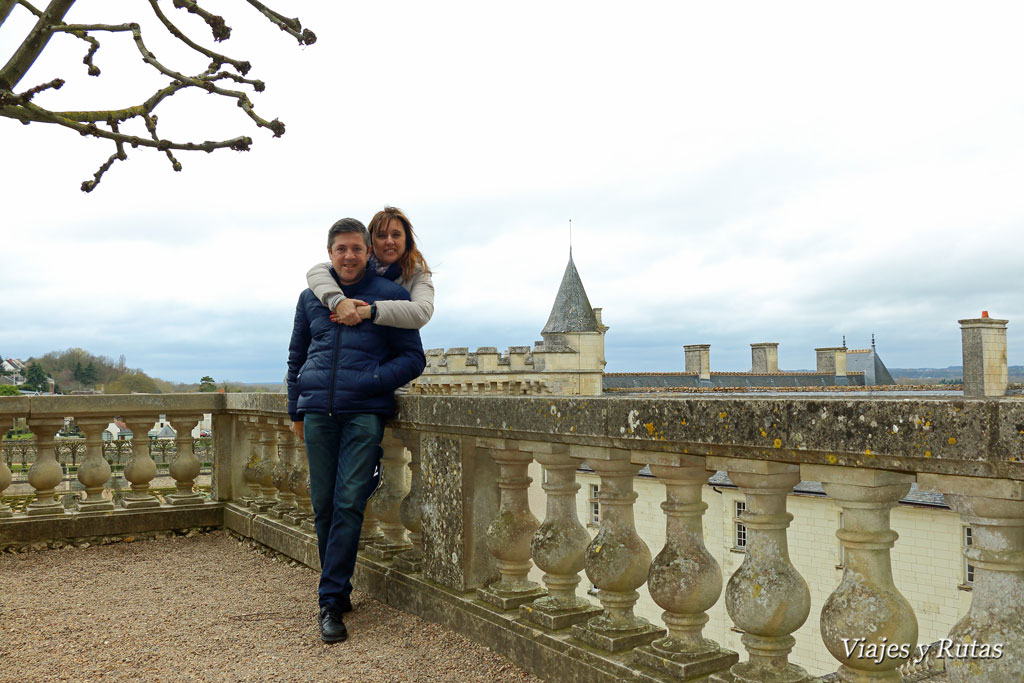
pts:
[396, 257]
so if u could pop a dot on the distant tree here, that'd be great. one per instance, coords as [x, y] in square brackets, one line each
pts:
[132, 382]
[89, 375]
[35, 377]
[8, 390]
[206, 383]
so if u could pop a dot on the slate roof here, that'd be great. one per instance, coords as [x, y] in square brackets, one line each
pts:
[572, 311]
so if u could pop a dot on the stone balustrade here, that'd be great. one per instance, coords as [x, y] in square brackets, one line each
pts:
[453, 536]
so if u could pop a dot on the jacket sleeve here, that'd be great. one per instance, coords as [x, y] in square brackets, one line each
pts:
[409, 315]
[297, 350]
[407, 362]
[324, 287]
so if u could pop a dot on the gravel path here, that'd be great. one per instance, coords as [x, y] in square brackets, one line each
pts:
[207, 608]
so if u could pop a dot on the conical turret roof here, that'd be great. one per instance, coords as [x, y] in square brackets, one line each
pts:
[572, 311]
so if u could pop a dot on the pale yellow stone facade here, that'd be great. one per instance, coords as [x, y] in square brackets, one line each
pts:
[928, 567]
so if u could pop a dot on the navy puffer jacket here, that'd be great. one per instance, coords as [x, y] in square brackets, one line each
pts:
[335, 369]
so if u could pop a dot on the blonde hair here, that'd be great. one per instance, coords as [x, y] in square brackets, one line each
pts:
[412, 258]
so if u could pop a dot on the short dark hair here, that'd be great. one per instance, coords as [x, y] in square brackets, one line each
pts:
[347, 225]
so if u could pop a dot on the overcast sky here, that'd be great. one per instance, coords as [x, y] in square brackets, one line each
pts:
[735, 173]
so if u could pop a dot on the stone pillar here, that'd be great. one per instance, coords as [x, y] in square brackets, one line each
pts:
[387, 503]
[287, 442]
[832, 360]
[617, 560]
[185, 467]
[510, 533]
[984, 352]
[995, 510]
[560, 543]
[5, 481]
[264, 468]
[766, 596]
[764, 358]
[298, 482]
[411, 509]
[698, 359]
[866, 604]
[459, 500]
[370, 531]
[94, 470]
[684, 579]
[249, 442]
[140, 469]
[46, 474]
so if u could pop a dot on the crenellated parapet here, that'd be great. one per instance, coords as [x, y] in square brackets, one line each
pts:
[561, 364]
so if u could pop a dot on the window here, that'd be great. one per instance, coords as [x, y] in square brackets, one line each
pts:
[595, 505]
[741, 529]
[968, 567]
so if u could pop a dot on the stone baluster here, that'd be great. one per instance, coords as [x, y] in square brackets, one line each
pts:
[140, 469]
[766, 596]
[94, 470]
[866, 604]
[510, 532]
[411, 510]
[5, 481]
[684, 580]
[617, 560]
[370, 531]
[46, 474]
[185, 467]
[266, 465]
[388, 501]
[559, 544]
[988, 643]
[250, 441]
[287, 446]
[298, 480]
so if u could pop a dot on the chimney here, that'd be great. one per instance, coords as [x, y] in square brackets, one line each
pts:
[832, 360]
[984, 350]
[764, 358]
[698, 359]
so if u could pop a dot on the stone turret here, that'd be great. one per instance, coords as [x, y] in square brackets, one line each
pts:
[569, 360]
[573, 337]
[571, 312]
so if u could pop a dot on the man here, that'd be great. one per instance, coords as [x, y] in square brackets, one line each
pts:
[341, 382]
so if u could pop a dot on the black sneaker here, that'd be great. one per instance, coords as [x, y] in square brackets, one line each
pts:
[332, 628]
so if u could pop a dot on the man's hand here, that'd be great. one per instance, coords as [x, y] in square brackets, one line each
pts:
[298, 430]
[363, 312]
[346, 314]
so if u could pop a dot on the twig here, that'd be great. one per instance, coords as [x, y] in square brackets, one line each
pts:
[90, 185]
[292, 27]
[221, 31]
[243, 67]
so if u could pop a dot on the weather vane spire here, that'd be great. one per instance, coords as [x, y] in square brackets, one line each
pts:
[570, 238]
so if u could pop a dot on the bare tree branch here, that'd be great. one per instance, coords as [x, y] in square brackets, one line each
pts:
[90, 185]
[150, 120]
[243, 67]
[221, 31]
[5, 8]
[20, 107]
[30, 49]
[292, 27]
[27, 5]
